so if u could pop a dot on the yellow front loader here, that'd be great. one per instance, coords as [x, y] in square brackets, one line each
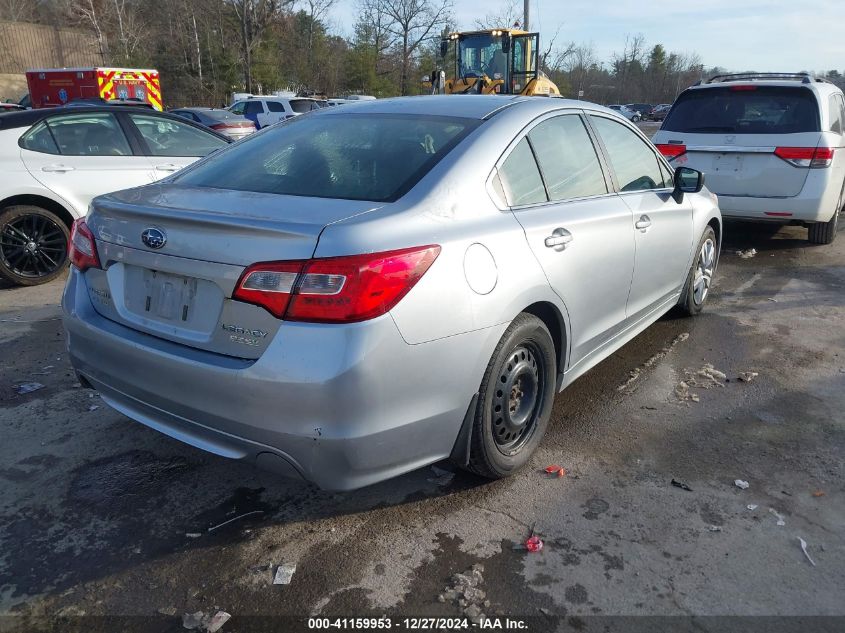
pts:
[496, 61]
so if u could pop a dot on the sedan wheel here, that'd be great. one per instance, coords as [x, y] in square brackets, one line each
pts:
[515, 399]
[700, 276]
[33, 245]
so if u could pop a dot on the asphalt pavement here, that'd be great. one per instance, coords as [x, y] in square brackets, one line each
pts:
[100, 516]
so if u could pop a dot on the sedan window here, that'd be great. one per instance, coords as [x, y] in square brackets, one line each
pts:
[521, 177]
[355, 157]
[567, 158]
[238, 108]
[40, 139]
[635, 163]
[89, 134]
[166, 137]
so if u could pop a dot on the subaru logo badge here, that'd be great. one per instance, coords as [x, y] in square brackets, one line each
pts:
[153, 238]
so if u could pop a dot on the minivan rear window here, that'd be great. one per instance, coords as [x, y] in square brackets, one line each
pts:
[745, 109]
[351, 156]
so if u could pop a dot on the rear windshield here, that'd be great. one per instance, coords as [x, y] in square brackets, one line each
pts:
[745, 110]
[376, 157]
[302, 105]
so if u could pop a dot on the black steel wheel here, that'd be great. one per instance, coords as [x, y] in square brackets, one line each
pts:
[33, 245]
[515, 399]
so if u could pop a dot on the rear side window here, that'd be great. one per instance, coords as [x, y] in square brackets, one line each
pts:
[634, 161]
[301, 105]
[91, 134]
[376, 157]
[521, 178]
[567, 158]
[742, 109]
[835, 114]
[275, 106]
[40, 139]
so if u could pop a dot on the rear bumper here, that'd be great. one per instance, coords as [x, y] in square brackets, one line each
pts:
[800, 208]
[339, 406]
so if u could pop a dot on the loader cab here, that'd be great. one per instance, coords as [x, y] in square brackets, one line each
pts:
[493, 62]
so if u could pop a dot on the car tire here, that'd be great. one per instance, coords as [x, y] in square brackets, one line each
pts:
[823, 232]
[635, 119]
[33, 245]
[515, 400]
[700, 276]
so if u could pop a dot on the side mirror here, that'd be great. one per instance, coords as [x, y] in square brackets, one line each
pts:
[444, 47]
[687, 180]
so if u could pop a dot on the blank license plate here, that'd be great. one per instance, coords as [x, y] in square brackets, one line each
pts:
[169, 297]
[727, 162]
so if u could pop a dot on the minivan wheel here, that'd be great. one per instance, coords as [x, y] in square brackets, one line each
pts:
[823, 232]
[700, 276]
[33, 245]
[515, 400]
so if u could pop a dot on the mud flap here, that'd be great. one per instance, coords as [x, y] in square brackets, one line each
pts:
[460, 451]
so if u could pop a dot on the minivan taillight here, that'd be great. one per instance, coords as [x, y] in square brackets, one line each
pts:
[82, 247]
[335, 289]
[671, 150]
[814, 157]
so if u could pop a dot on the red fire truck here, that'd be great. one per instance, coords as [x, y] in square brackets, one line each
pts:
[57, 86]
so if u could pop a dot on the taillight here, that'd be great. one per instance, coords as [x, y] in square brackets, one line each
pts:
[82, 247]
[671, 150]
[335, 289]
[814, 157]
[233, 126]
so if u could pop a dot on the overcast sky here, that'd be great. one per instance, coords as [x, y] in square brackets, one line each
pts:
[763, 35]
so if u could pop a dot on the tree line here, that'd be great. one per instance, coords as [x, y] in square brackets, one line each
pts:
[208, 49]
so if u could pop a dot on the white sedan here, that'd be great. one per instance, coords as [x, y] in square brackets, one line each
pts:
[54, 161]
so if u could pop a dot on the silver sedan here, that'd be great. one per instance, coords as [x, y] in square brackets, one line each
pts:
[365, 290]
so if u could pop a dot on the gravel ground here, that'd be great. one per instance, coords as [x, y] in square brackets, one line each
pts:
[100, 516]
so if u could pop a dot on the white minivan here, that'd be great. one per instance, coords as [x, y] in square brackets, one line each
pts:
[772, 146]
[264, 111]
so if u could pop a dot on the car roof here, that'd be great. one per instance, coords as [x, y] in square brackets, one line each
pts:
[463, 106]
[10, 120]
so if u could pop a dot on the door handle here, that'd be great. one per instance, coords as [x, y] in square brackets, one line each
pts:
[559, 239]
[167, 167]
[57, 168]
[643, 223]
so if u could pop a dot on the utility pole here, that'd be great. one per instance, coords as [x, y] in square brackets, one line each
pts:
[525, 4]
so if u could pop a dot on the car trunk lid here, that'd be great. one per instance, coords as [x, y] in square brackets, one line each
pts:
[171, 257]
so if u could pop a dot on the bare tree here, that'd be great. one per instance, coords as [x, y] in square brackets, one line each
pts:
[255, 16]
[17, 10]
[86, 11]
[414, 22]
[317, 10]
[507, 16]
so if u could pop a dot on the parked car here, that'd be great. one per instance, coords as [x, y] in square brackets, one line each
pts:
[10, 107]
[364, 291]
[53, 161]
[220, 120]
[264, 111]
[770, 144]
[625, 111]
[645, 109]
[660, 111]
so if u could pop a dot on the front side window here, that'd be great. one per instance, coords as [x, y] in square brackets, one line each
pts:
[745, 109]
[521, 178]
[89, 134]
[567, 158]
[166, 137]
[40, 139]
[253, 107]
[376, 157]
[633, 160]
